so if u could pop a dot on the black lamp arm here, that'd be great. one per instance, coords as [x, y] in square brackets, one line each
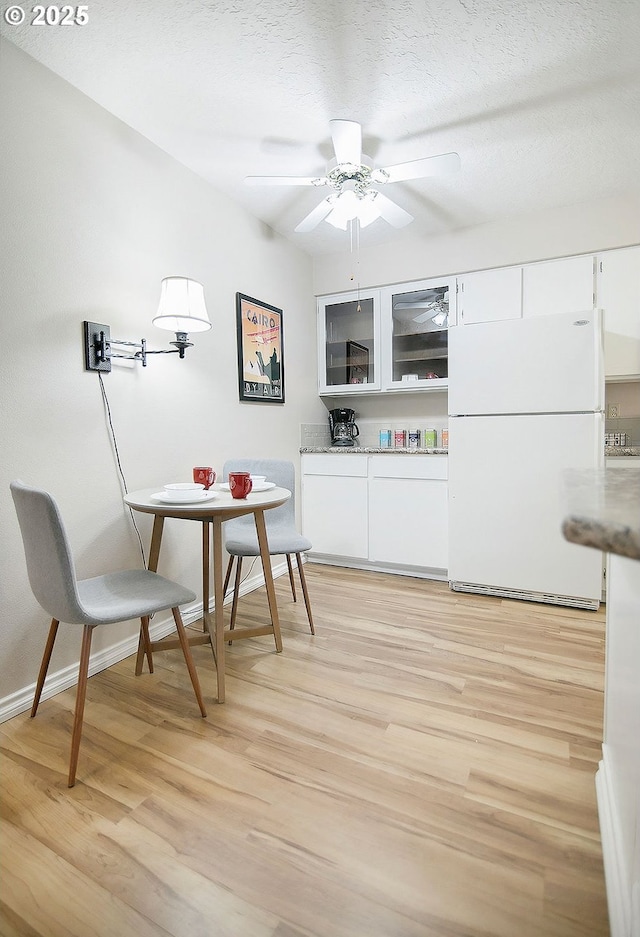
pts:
[181, 343]
[99, 347]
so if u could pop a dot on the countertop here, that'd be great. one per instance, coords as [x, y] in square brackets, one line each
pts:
[610, 451]
[613, 451]
[345, 450]
[604, 509]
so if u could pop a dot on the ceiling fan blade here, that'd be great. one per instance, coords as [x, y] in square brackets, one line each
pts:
[420, 168]
[314, 217]
[285, 180]
[391, 212]
[347, 141]
[430, 314]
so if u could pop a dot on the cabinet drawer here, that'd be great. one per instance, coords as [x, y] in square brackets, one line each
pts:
[409, 466]
[321, 464]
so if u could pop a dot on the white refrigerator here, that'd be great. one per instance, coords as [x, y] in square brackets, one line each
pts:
[526, 402]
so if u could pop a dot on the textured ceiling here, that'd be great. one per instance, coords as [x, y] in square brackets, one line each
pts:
[541, 98]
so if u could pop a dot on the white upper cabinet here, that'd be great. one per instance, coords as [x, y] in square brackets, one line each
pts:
[396, 338]
[490, 295]
[415, 319]
[392, 339]
[349, 342]
[618, 295]
[565, 285]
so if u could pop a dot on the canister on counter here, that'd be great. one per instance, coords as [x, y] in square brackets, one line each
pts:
[413, 439]
[385, 438]
[399, 438]
[445, 438]
[429, 437]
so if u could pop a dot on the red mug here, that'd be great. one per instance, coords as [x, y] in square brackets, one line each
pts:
[240, 484]
[204, 475]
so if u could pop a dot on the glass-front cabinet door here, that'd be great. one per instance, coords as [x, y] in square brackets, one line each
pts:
[349, 342]
[415, 323]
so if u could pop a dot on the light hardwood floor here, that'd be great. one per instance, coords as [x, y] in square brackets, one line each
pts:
[422, 767]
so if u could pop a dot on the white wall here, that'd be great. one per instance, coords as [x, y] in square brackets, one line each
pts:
[93, 216]
[573, 229]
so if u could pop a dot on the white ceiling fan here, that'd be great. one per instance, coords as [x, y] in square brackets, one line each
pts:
[353, 181]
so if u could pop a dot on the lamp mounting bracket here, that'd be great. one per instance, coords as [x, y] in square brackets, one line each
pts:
[98, 351]
[97, 347]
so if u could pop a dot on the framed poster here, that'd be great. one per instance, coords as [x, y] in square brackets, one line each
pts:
[357, 363]
[260, 350]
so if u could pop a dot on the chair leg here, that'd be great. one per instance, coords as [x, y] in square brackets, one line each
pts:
[227, 577]
[303, 581]
[44, 666]
[291, 580]
[144, 646]
[236, 592]
[191, 667]
[81, 693]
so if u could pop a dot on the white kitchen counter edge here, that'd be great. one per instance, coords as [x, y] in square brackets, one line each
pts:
[366, 450]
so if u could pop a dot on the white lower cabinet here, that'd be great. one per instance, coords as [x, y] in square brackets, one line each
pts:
[408, 510]
[334, 504]
[386, 511]
[618, 777]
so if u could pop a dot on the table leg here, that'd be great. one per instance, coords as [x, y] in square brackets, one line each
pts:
[156, 540]
[217, 634]
[206, 565]
[268, 576]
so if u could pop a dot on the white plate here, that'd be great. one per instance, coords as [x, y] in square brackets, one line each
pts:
[265, 486]
[195, 499]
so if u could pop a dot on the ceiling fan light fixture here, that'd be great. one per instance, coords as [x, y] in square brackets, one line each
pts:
[367, 209]
[379, 176]
[344, 210]
[349, 206]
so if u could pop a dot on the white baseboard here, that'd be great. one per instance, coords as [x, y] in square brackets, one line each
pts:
[417, 572]
[616, 874]
[60, 680]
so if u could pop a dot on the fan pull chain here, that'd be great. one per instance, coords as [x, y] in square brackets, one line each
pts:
[357, 223]
[356, 276]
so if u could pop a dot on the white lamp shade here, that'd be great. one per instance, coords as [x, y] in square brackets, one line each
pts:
[349, 206]
[182, 307]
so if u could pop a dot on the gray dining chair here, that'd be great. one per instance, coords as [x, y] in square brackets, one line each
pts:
[101, 600]
[240, 535]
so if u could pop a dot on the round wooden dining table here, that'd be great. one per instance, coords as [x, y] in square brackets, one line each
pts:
[212, 513]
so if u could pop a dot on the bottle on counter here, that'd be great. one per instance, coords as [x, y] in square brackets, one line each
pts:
[413, 438]
[385, 438]
[399, 438]
[429, 438]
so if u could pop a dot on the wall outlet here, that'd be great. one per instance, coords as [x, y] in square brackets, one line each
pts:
[613, 411]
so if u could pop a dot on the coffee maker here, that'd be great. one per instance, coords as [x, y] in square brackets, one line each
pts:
[342, 426]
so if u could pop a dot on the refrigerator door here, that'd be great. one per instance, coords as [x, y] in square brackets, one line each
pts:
[548, 364]
[506, 506]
